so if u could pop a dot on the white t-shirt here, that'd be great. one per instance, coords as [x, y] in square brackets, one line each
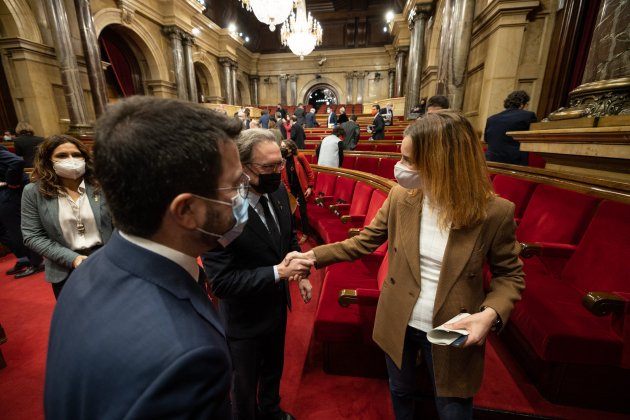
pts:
[329, 152]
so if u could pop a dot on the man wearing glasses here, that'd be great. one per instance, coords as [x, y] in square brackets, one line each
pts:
[251, 281]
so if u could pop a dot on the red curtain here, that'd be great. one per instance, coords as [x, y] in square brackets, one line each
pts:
[120, 66]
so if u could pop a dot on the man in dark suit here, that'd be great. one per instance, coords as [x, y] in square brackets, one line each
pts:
[134, 328]
[300, 115]
[26, 143]
[501, 147]
[251, 281]
[310, 118]
[332, 118]
[297, 132]
[378, 126]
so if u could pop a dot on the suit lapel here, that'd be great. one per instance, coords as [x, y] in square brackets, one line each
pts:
[459, 248]
[409, 227]
[258, 227]
[52, 214]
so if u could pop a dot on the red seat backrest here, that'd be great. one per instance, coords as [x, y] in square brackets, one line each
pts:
[556, 215]
[361, 198]
[344, 188]
[386, 168]
[601, 261]
[325, 183]
[364, 147]
[367, 164]
[349, 162]
[518, 191]
[376, 202]
[385, 147]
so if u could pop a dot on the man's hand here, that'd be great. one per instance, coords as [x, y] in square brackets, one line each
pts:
[78, 260]
[294, 267]
[478, 325]
[306, 290]
[309, 256]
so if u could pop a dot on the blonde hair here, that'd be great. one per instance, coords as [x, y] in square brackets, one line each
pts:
[449, 157]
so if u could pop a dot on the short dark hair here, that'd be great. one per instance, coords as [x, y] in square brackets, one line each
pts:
[353, 117]
[516, 99]
[377, 106]
[338, 131]
[148, 150]
[438, 100]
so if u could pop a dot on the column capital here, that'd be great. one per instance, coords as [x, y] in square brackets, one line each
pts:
[283, 77]
[293, 77]
[350, 75]
[402, 50]
[226, 62]
[187, 39]
[360, 74]
[420, 11]
[172, 31]
[391, 71]
[253, 77]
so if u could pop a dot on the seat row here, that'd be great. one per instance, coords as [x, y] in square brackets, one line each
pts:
[380, 166]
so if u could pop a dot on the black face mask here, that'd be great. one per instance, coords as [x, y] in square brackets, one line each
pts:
[267, 183]
[285, 153]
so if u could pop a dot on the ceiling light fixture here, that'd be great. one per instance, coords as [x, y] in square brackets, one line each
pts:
[271, 12]
[301, 32]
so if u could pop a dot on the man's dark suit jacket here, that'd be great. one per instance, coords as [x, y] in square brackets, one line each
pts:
[299, 114]
[378, 128]
[310, 120]
[501, 147]
[297, 135]
[134, 336]
[25, 146]
[242, 276]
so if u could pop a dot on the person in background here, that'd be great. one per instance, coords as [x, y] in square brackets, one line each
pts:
[437, 103]
[501, 147]
[298, 178]
[342, 116]
[65, 217]
[26, 142]
[7, 136]
[352, 133]
[378, 125]
[252, 282]
[135, 319]
[276, 132]
[300, 115]
[442, 222]
[330, 150]
[12, 181]
[282, 112]
[264, 119]
[388, 114]
[310, 118]
[245, 121]
[254, 123]
[332, 118]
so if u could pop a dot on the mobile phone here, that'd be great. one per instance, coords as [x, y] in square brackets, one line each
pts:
[460, 341]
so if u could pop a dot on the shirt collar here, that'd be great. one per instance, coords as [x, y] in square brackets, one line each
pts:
[254, 197]
[186, 262]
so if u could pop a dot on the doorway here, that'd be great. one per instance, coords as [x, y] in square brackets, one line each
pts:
[321, 95]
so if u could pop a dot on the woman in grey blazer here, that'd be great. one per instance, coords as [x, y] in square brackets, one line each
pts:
[64, 215]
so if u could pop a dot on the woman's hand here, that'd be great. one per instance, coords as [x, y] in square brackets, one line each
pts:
[478, 326]
[78, 260]
[307, 192]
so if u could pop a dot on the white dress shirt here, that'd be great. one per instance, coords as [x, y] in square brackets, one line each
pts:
[71, 213]
[433, 242]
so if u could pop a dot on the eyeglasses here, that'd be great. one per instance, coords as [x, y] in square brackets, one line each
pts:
[270, 167]
[242, 188]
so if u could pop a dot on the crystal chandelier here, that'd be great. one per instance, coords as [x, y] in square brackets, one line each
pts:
[301, 32]
[271, 12]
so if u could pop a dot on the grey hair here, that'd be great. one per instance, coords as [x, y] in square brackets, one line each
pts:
[250, 138]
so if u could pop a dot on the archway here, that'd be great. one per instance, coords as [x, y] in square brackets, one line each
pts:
[321, 94]
[123, 75]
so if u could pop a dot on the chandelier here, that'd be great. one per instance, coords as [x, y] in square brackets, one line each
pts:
[301, 32]
[271, 12]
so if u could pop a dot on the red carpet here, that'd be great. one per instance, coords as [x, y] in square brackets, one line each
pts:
[307, 392]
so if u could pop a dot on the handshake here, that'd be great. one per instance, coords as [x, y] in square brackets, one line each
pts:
[296, 266]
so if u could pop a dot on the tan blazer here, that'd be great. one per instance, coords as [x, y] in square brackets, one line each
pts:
[458, 372]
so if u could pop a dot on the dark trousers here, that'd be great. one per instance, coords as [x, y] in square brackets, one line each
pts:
[402, 382]
[299, 195]
[57, 287]
[10, 229]
[258, 364]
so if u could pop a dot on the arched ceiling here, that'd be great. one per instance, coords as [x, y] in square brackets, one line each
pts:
[346, 23]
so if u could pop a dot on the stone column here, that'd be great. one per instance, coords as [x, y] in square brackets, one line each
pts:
[283, 88]
[189, 65]
[175, 35]
[349, 86]
[417, 24]
[360, 86]
[234, 67]
[390, 87]
[92, 55]
[253, 86]
[70, 77]
[227, 81]
[401, 55]
[293, 88]
[457, 19]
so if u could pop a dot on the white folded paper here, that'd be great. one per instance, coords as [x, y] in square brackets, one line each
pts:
[443, 336]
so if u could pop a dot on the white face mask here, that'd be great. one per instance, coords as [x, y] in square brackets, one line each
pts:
[407, 178]
[70, 168]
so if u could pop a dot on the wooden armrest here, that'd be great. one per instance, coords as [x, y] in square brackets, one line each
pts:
[603, 303]
[354, 218]
[347, 297]
[353, 232]
[338, 208]
[546, 249]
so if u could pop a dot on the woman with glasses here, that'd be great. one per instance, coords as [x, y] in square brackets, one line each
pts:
[64, 215]
[298, 178]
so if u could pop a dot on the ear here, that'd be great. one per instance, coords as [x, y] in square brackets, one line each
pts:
[187, 211]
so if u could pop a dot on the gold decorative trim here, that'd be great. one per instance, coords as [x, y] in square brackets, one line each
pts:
[596, 99]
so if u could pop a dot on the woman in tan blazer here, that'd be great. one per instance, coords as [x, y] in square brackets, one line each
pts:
[442, 222]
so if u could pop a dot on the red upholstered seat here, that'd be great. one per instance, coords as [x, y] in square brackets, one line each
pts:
[332, 229]
[344, 188]
[364, 147]
[386, 167]
[518, 191]
[349, 162]
[367, 164]
[385, 148]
